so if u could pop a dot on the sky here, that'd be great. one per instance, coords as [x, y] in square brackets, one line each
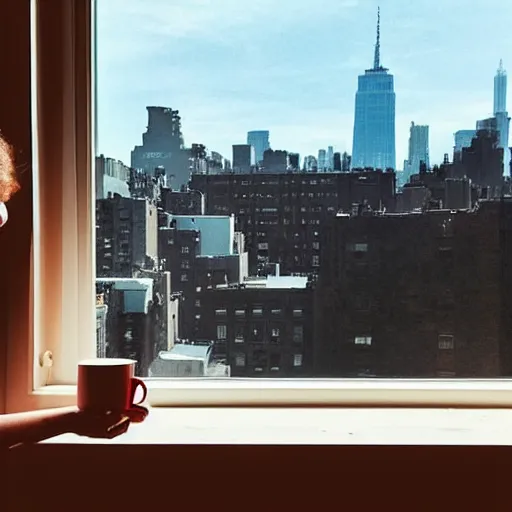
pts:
[291, 67]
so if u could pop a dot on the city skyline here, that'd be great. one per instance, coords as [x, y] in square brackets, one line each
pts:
[302, 92]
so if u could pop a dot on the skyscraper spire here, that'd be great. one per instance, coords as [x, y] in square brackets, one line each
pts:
[501, 70]
[376, 59]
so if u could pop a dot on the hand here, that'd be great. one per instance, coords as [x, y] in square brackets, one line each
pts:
[107, 425]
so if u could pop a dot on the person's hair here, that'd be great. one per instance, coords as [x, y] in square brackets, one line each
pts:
[8, 182]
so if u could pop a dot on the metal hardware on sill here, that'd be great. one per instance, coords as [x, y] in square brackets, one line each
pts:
[46, 361]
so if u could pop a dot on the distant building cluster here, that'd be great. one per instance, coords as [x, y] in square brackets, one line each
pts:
[333, 265]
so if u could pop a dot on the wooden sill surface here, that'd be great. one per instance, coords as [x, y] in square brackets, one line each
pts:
[287, 426]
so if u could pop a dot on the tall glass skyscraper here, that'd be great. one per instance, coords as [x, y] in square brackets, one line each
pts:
[501, 115]
[374, 120]
[500, 89]
[259, 140]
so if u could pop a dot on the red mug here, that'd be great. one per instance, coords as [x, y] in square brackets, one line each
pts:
[106, 384]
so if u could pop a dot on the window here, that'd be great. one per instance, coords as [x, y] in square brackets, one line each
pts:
[222, 332]
[298, 334]
[185, 249]
[445, 342]
[297, 360]
[240, 313]
[257, 311]
[257, 332]
[297, 312]
[124, 214]
[360, 247]
[70, 303]
[184, 278]
[363, 340]
[221, 312]
[240, 360]
[239, 333]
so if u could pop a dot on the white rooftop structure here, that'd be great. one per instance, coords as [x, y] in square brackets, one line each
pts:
[277, 282]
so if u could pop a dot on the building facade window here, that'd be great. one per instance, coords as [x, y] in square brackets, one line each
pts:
[298, 334]
[445, 342]
[222, 332]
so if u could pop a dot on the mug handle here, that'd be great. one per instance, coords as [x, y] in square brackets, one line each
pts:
[135, 384]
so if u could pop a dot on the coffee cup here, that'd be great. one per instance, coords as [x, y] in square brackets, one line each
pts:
[108, 384]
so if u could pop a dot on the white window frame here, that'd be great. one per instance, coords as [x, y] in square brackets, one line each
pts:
[59, 307]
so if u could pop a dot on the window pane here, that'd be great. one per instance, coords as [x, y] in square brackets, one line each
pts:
[279, 206]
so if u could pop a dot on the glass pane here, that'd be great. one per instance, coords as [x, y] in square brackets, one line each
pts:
[272, 203]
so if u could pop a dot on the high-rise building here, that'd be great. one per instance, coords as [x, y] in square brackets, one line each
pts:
[259, 140]
[463, 139]
[163, 146]
[275, 161]
[284, 222]
[260, 341]
[243, 157]
[126, 237]
[336, 162]
[294, 161]
[322, 160]
[377, 333]
[501, 114]
[374, 120]
[418, 149]
[500, 89]
[482, 162]
[112, 177]
[345, 162]
[330, 158]
[310, 164]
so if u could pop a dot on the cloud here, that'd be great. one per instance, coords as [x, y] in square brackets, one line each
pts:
[214, 20]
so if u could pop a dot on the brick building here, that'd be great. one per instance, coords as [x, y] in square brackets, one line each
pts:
[188, 202]
[126, 236]
[141, 320]
[416, 295]
[281, 215]
[200, 252]
[261, 328]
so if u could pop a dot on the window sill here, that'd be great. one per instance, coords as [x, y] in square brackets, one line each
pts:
[328, 426]
[368, 393]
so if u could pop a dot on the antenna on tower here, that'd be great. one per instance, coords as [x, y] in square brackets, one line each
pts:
[376, 59]
[501, 70]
